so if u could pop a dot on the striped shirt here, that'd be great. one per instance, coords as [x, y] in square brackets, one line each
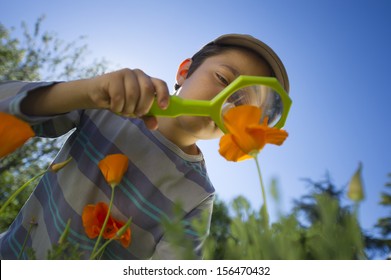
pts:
[159, 176]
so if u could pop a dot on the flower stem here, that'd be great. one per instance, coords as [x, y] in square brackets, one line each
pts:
[118, 235]
[264, 206]
[101, 249]
[65, 233]
[19, 190]
[94, 253]
[355, 209]
[32, 223]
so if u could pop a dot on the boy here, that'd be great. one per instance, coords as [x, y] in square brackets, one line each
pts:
[165, 164]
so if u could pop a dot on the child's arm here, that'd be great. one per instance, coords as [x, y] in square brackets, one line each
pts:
[128, 92]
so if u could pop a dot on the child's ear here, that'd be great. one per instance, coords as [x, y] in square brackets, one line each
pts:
[182, 71]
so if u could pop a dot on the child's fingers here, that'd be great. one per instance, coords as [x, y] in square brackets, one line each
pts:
[162, 93]
[116, 94]
[146, 93]
[131, 92]
[150, 122]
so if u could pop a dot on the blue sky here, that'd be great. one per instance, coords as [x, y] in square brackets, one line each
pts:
[337, 54]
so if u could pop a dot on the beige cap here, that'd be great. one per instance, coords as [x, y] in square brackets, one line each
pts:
[249, 42]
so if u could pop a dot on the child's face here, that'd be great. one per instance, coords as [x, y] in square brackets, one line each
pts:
[211, 77]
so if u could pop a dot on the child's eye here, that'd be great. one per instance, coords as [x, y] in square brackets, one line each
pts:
[222, 79]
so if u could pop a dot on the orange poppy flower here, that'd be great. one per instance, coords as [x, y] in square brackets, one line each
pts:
[13, 133]
[113, 168]
[246, 137]
[93, 217]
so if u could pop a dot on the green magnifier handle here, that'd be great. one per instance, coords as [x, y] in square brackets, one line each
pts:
[179, 106]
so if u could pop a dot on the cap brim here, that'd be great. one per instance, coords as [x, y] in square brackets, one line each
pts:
[249, 42]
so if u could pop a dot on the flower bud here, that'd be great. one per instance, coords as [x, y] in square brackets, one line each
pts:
[58, 166]
[356, 188]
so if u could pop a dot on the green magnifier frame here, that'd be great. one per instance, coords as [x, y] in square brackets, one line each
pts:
[213, 108]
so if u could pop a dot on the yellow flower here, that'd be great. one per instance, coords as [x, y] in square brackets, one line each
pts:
[246, 137]
[13, 133]
[113, 168]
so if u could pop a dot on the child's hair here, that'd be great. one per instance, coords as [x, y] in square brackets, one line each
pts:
[210, 50]
[242, 41]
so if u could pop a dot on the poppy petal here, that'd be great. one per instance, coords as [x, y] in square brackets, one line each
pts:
[269, 135]
[230, 150]
[101, 209]
[113, 168]
[90, 222]
[237, 118]
[249, 142]
[276, 136]
[109, 231]
[13, 133]
[126, 238]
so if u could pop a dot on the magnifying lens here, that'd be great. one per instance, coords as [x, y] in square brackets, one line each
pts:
[265, 93]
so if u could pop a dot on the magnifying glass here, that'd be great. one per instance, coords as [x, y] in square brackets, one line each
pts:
[265, 93]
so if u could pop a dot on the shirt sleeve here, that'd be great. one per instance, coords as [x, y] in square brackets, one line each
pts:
[166, 250]
[11, 95]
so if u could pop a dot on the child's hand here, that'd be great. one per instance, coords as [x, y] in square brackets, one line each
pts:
[129, 93]
[126, 92]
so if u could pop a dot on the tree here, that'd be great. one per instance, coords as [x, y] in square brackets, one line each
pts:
[384, 223]
[38, 55]
[219, 229]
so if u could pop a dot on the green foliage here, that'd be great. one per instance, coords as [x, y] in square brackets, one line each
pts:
[63, 250]
[384, 224]
[219, 229]
[36, 55]
[330, 237]
[382, 243]
[175, 234]
[10, 180]
[42, 55]
[13, 66]
[318, 227]
[335, 235]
